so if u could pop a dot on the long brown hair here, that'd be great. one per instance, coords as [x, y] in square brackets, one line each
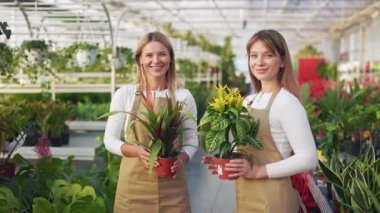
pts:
[277, 44]
[170, 76]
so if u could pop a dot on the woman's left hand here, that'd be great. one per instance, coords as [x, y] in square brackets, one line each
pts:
[183, 158]
[243, 168]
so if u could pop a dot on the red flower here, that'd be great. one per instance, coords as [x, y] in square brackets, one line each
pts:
[43, 147]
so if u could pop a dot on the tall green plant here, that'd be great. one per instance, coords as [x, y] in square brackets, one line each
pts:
[340, 114]
[355, 181]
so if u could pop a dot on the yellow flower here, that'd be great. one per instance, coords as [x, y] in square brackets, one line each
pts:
[321, 156]
[366, 134]
[218, 104]
[221, 91]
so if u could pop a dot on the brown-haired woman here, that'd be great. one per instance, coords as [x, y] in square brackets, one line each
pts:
[288, 144]
[137, 191]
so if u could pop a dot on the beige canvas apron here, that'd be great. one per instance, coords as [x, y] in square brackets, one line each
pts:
[137, 191]
[267, 195]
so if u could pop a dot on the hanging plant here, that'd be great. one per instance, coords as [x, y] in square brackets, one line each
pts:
[6, 60]
[33, 52]
[80, 55]
[124, 63]
[31, 59]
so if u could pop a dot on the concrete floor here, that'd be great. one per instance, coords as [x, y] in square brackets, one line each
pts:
[207, 193]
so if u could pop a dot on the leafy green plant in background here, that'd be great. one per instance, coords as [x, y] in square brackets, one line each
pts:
[9, 203]
[339, 113]
[328, 71]
[186, 68]
[6, 61]
[309, 51]
[355, 181]
[34, 179]
[13, 121]
[31, 59]
[201, 97]
[66, 197]
[89, 111]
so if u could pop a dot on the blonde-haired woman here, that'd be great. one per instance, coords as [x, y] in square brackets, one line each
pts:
[288, 144]
[137, 191]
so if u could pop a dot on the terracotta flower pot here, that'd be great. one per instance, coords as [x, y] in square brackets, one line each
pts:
[7, 169]
[220, 165]
[164, 168]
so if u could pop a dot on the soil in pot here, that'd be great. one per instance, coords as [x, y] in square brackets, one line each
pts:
[164, 168]
[220, 166]
[7, 169]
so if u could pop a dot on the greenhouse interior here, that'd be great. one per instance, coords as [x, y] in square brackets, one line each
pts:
[61, 63]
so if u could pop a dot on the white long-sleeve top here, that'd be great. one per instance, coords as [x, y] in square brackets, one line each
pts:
[123, 101]
[290, 130]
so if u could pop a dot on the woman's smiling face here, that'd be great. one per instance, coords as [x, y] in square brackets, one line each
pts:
[155, 60]
[264, 63]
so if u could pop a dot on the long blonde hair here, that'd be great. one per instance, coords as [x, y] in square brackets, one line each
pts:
[170, 76]
[277, 44]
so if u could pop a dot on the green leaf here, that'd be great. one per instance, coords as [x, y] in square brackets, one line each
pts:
[156, 147]
[41, 205]
[240, 130]
[213, 140]
[334, 178]
[109, 114]
[221, 125]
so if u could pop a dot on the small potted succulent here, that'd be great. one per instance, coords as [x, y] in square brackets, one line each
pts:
[226, 127]
[165, 130]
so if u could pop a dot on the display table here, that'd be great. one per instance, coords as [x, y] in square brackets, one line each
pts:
[82, 145]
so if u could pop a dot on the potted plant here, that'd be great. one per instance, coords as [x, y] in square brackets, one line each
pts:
[13, 122]
[33, 52]
[58, 131]
[165, 130]
[31, 60]
[6, 60]
[355, 181]
[225, 116]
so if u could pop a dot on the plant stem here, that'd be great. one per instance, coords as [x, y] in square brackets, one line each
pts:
[227, 138]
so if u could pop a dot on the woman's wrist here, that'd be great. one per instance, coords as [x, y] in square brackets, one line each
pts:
[183, 157]
[129, 150]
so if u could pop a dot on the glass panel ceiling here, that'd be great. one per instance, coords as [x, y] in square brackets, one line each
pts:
[66, 21]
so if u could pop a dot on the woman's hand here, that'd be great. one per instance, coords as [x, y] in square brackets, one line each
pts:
[137, 151]
[207, 160]
[243, 168]
[183, 158]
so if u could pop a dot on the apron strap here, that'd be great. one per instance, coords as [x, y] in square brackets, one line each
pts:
[274, 95]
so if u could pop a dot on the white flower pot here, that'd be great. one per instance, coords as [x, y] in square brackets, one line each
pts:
[34, 56]
[86, 57]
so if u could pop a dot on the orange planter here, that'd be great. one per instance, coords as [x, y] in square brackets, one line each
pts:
[165, 165]
[222, 173]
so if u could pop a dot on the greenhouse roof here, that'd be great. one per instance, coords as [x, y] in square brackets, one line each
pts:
[67, 21]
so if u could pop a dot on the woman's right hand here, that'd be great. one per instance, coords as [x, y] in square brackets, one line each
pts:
[208, 161]
[143, 155]
[137, 151]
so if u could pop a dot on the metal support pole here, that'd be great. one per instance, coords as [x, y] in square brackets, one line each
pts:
[113, 45]
[26, 17]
